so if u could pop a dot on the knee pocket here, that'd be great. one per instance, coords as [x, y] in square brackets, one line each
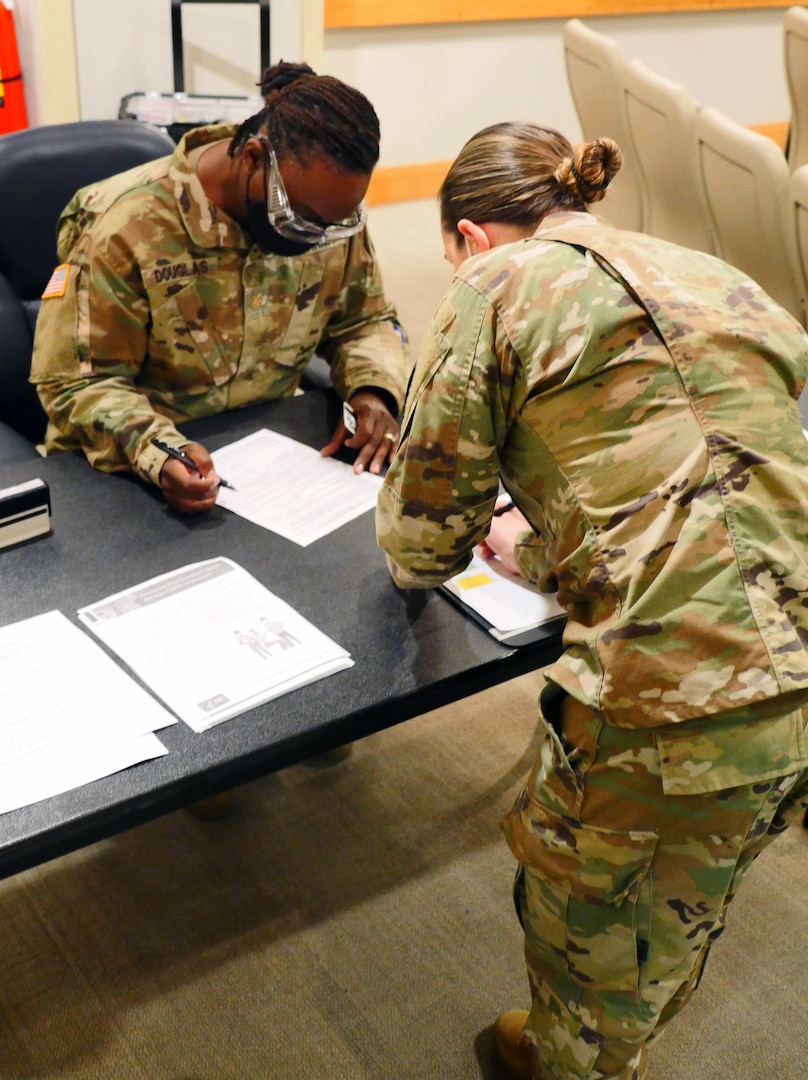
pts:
[585, 897]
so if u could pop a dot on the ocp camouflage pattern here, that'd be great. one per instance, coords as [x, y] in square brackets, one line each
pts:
[638, 400]
[171, 313]
[621, 889]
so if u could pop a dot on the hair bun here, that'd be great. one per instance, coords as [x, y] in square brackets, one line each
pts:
[592, 168]
[279, 75]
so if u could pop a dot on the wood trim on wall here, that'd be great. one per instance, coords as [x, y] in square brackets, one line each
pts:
[341, 14]
[401, 183]
[777, 132]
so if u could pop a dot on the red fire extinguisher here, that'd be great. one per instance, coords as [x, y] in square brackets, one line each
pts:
[12, 99]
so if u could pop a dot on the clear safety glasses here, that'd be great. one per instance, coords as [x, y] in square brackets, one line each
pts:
[291, 225]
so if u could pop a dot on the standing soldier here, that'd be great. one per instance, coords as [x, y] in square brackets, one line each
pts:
[638, 400]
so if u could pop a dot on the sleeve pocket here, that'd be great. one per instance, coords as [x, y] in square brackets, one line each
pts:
[433, 354]
[59, 351]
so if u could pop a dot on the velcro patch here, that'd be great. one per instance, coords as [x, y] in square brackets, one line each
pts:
[58, 282]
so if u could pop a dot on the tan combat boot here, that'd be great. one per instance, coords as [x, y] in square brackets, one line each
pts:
[514, 1049]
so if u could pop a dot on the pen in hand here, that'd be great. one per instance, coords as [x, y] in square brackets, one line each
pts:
[503, 508]
[188, 462]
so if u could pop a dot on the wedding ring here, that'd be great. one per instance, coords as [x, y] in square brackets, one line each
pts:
[389, 435]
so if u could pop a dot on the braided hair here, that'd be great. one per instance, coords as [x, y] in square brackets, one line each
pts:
[307, 114]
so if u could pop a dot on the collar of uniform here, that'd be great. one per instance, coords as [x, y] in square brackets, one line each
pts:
[206, 224]
[577, 218]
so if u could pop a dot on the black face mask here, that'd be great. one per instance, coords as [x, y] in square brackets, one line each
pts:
[267, 237]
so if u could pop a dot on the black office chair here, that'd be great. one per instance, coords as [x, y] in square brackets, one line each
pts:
[22, 420]
[40, 170]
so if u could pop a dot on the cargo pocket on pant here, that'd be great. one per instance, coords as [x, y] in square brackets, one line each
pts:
[584, 897]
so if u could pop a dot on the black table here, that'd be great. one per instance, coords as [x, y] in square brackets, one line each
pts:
[412, 651]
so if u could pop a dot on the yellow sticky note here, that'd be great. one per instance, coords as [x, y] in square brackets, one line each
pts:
[473, 581]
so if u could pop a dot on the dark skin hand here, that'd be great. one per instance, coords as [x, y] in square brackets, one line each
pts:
[187, 491]
[376, 438]
[376, 434]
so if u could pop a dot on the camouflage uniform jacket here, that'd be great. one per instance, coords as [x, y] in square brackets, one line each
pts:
[638, 400]
[169, 312]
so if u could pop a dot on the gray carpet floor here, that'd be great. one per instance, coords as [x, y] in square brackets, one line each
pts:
[350, 923]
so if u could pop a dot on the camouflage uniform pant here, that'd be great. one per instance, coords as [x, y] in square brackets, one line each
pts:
[622, 888]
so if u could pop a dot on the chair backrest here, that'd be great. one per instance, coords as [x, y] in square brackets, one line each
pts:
[594, 66]
[40, 170]
[744, 185]
[19, 404]
[660, 117]
[798, 225]
[795, 59]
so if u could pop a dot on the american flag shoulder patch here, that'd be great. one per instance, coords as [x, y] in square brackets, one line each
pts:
[58, 282]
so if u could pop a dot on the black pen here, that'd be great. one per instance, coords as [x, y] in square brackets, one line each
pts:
[188, 462]
[503, 508]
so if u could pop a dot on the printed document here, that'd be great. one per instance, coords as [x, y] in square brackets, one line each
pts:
[212, 642]
[70, 715]
[507, 604]
[288, 488]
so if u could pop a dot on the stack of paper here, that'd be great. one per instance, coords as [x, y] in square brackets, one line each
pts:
[70, 714]
[212, 642]
[288, 488]
[510, 607]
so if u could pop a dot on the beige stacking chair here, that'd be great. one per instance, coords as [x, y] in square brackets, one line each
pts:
[795, 57]
[661, 116]
[744, 184]
[594, 66]
[798, 225]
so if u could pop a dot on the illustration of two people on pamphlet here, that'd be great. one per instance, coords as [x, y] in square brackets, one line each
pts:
[267, 637]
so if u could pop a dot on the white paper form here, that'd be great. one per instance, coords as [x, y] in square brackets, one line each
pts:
[212, 642]
[286, 487]
[70, 714]
[507, 601]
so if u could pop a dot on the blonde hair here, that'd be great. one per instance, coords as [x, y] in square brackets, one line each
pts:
[517, 173]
